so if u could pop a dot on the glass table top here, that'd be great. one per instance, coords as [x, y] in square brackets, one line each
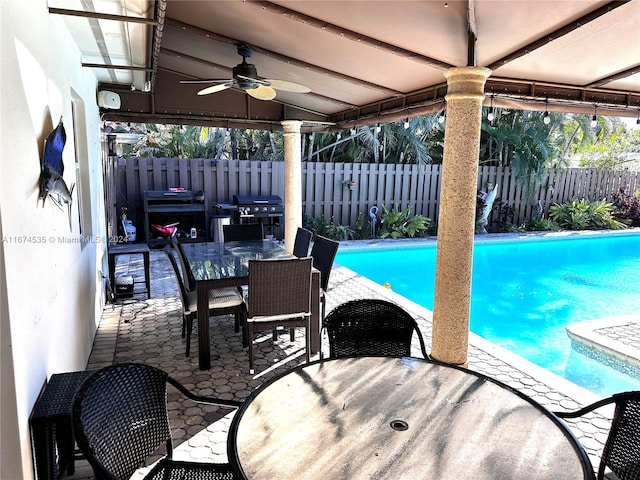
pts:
[215, 260]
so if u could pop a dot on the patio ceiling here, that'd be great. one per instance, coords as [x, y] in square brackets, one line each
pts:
[364, 61]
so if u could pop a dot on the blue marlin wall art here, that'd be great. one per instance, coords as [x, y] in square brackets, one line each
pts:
[52, 185]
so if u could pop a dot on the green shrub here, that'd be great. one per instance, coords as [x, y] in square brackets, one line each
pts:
[326, 228]
[542, 225]
[363, 227]
[585, 215]
[402, 224]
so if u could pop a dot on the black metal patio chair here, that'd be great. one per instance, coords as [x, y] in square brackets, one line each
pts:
[621, 451]
[120, 418]
[371, 327]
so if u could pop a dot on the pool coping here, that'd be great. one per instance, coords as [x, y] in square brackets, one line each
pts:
[490, 238]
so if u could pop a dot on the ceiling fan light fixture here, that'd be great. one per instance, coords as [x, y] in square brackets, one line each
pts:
[245, 77]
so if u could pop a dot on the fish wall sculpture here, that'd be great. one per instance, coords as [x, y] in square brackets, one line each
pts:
[52, 185]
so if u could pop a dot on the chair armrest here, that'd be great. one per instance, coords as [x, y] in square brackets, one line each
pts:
[587, 409]
[198, 398]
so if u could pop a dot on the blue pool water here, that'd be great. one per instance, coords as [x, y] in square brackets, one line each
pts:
[525, 292]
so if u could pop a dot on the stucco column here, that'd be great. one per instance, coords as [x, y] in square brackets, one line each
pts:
[292, 181]
[456, 225]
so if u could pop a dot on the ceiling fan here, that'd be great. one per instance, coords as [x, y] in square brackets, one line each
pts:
[245, 77]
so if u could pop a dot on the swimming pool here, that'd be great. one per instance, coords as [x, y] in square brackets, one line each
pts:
[525, 291]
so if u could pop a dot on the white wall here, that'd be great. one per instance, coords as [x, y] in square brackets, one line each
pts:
[51, 293]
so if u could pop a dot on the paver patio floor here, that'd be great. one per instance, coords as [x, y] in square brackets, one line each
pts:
[149, 331]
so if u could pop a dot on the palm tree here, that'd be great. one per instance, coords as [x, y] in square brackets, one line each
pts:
[520, 140]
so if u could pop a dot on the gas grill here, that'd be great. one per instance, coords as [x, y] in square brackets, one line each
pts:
[256, 206]
[266, 209]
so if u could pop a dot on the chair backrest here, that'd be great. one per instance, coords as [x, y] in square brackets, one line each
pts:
[245, 231]
[176, 270]
[120, 418]
[187, 273]
[621, 452]
[324, 252]
[279, 287]
[371, 327]
[302, 242]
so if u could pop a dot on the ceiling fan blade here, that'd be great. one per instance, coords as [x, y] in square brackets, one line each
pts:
[208, 80]
[265, 83]
[288, 86]
[215, 88]
[262, 93]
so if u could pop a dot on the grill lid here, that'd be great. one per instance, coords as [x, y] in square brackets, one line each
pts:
[257, 199]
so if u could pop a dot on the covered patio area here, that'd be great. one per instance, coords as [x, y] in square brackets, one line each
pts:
[148, 330]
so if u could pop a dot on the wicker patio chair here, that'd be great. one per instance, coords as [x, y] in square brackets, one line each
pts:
[222, 301]
[279, 296]
[302, 242]
[120, 418]
[621, 452]
[324, 252]
[243, 232]
[187, 274]
[371, 327]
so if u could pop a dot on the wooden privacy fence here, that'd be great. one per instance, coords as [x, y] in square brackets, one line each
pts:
[342, 191]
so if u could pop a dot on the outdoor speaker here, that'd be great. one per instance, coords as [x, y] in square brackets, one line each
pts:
[107, 99]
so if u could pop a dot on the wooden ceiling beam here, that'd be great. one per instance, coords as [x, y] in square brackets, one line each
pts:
[616, 76]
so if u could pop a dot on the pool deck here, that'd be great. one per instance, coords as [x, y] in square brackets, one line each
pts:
[148, 330]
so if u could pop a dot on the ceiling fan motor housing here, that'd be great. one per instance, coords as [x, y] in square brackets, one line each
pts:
[245, 69]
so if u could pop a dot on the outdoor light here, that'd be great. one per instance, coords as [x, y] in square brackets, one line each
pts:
[594, 119]
[406, 123]
[490, 115]
[546, 119]
[378, 128]
[442, 117]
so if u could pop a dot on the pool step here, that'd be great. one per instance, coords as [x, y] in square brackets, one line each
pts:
[613, 341]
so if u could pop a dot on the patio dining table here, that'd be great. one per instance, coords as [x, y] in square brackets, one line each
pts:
[217, 264]
[398, 418]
